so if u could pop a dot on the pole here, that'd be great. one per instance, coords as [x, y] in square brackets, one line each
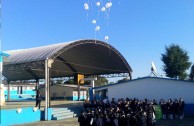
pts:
[37, 84]
[8, 93]
[48, 83]
[49, 65]
[78, 91]
[46, 89]
[92, 84]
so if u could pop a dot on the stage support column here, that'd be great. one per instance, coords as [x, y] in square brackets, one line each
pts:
[49, 99]
[46, 90]
[92, 85]
[78, 79]
[37, 84]
[130, 75]
[48, 64]
[91, 94]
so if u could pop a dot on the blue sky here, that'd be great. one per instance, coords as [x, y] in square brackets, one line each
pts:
[139, 29]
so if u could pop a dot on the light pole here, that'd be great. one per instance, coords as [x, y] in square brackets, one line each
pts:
[92, 85]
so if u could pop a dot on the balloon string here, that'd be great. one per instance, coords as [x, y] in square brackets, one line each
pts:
[87, 16]
[95, 37]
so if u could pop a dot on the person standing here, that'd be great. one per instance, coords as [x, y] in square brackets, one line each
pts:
[82, 119]
[38, 99]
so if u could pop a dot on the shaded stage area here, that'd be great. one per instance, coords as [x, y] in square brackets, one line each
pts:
[87, 57]
[71, 59]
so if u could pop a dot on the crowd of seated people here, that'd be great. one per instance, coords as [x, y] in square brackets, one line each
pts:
[172, 109]
[128, 112]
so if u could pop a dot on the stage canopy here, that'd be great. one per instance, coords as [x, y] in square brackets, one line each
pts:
[87, 57]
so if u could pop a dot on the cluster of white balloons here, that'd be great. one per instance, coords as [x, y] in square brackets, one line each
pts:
[103, 8]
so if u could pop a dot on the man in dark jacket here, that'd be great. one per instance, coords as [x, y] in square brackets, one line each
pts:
[38, 99]
[82, 119]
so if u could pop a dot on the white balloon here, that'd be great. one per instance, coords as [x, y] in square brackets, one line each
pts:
[97, 28]
[98, 4]
[108, 5]
[103, 9]
[86, 6]
[106, 38]
[93, 21]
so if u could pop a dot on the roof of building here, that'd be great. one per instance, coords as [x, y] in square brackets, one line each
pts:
[87, 57]
[142, 78]
[72, 86]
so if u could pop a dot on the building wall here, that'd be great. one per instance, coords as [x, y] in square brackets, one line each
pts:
[59, 91]
[153, 88]
[64, 92]
[27, 92]
[13, 117]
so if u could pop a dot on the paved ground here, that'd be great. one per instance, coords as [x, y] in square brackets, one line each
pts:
[188, 121]
[66, 122]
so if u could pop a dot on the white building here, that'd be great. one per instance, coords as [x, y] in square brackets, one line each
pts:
[66, 92]
[151, 88]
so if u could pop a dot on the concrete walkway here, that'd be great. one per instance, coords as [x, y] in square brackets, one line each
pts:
[66, 122]
[188, 121]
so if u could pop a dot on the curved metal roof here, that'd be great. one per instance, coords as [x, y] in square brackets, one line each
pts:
[88, 57]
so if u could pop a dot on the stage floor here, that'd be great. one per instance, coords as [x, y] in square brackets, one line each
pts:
[54, 104]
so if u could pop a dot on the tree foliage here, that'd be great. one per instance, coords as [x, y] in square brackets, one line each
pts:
[123, 80]
[70, 81]
[101, 81]
[191, 76]
[176, 62]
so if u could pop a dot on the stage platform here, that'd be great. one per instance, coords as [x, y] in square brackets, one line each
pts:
[31, 103]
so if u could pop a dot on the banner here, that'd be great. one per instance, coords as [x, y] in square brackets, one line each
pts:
[158, 112]
[80, 78]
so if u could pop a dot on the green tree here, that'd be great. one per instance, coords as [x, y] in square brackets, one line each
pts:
[100, 81]
[70, 81]
[123, 80]
[176, 62]
[191, 76]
